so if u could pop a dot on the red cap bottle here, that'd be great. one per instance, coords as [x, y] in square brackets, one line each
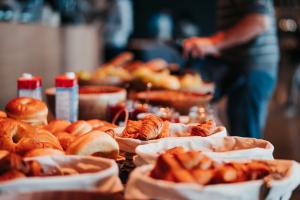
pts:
[30, 86]
[66, 97]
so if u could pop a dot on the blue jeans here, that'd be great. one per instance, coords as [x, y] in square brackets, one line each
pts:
[249, 91]
[247, 104]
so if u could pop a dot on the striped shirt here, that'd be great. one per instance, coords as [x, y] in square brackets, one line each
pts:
[261, 52]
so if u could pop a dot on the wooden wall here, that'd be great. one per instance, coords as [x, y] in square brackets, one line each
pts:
[44, 51]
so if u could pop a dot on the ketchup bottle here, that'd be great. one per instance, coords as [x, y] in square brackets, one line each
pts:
[66, 97]
[30, 86]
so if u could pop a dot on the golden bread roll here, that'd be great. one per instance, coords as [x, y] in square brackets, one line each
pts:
[57, 126]
[11, 175]
[40, 139]
[170, 82]
[106, 128]
[3, 114]
[28, 110]
[44, 152]
[122, 59]
[16, 136]
[64, 138]
[96, 123]
[95, 143]
[79, 128]
[157, 64]
[11, 132]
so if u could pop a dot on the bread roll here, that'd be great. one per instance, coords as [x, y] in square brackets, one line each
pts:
[3, 114]
[28, 110]
[57, 126]
[95, 143]
[44, 152]
[79, 128]
[64, 138]
[16, 136]
[96, 123]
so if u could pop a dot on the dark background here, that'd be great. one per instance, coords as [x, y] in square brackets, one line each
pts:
[201, 12]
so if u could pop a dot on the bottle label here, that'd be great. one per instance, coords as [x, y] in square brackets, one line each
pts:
[66, 103]
[36, 93]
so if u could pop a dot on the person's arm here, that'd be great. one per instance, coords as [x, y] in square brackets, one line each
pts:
[245, 30]
[248, 28]
[255, 22]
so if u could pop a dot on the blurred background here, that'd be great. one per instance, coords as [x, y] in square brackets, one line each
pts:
[47, 37]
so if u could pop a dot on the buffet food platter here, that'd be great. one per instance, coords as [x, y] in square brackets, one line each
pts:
[134, 146]
[138, 76]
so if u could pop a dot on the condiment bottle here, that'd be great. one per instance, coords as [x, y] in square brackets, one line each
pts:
[30, 86]
[201, 114]
[66, 97]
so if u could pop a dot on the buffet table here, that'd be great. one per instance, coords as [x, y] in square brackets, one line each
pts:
[164, 142]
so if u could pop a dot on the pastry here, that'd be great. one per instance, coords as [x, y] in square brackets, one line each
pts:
[28, 110]
[20, 137]
[11, 175]
[3, 114]
[101, 125]
[64, 138]
[149, 128]
[178, 165]
[44, 152]
[122, 59]
[79, 128]
[94, 143]
[204, 129]
[57, 126]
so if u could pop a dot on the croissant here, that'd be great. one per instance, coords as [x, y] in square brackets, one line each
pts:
[150, 127]
[132, 129]
[165, 130]
[204, 129]
[178, 165]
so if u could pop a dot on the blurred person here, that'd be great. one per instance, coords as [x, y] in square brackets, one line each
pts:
[118, 27]
[246, 42]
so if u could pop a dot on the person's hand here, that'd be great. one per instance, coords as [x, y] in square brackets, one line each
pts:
[200, 47]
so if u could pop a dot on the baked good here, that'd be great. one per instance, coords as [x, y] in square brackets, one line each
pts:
[106, 128]
[16, 136]
[100, 124]
[28, 110]
[12, 132]
[95, 143]
[181, 101]
[39, 139]
[150, 127]
[178, 165]
[191, 82]
[64, 138]
[13, 166]
[7, 160]
[169, 82]
[132, 129]
[79, 128]
[122, 59]
[11, 175]
[57, 126]
[157, 64]
[204, 129]
[171, 170]
[44, 152]
[3, 114]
